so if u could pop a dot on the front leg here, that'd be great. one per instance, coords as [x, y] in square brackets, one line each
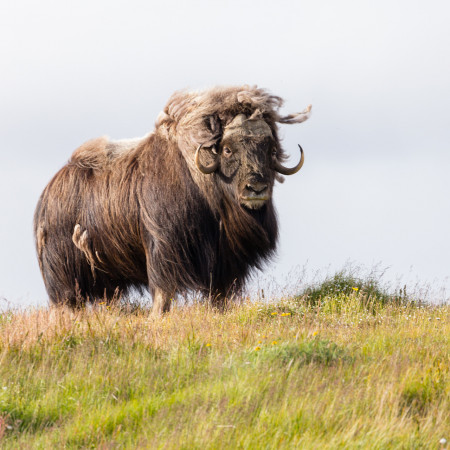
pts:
[219, 301]
[161, 302]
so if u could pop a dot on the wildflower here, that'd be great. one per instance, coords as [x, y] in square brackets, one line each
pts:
[274, 313]
[208, 344]
[285, 314]
[102, 303]
[315, 333]
[257, 349]
[355, 288]
[259, 342]
[274, 342]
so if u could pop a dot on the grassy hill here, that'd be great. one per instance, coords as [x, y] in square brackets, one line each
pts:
[341, 366]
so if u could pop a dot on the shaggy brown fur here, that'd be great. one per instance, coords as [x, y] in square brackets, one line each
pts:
[140, 213]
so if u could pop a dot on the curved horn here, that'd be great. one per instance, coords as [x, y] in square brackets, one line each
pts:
[205, 169]
[284, 170]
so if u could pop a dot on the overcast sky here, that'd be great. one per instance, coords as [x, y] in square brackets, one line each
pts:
[375, 185]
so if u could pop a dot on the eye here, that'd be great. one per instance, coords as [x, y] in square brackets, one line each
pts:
[227, 151]
[274, 153]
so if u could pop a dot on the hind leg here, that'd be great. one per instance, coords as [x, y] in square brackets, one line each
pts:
[61, 291]
[66, 276]
[161, 302]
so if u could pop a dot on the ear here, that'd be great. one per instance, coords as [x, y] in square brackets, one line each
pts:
[213, 125]
[207, 132]
[279, 178]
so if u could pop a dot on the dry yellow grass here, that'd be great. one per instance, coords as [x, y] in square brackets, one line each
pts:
[340, 374]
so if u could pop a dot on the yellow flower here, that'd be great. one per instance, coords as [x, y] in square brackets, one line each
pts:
[355, 288]
[286, 314]
[274, 342]
[274, 313]
[315, 333]
[259, 342]
[257, 349]
[102, 303]
[208, 344]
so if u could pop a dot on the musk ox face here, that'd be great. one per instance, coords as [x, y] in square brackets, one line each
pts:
[245, 161]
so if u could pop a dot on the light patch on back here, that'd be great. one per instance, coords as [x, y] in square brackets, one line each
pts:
[121, 146]
[98, 153]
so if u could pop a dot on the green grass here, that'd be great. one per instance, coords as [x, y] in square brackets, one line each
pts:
[351, 369]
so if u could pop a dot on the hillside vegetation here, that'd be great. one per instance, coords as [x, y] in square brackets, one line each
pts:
[343, 365]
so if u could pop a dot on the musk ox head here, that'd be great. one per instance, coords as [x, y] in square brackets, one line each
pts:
[229, 138]
[245, 161]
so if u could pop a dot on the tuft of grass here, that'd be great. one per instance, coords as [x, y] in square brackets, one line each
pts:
[423, 388]
[345, 283]
[345, 371]
[310, 351]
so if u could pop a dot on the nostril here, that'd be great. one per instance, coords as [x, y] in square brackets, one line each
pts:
[257, 188]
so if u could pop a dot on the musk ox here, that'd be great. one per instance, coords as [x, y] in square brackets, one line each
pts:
[187, 207]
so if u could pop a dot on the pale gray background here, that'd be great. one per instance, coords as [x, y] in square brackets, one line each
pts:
[375, 185]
